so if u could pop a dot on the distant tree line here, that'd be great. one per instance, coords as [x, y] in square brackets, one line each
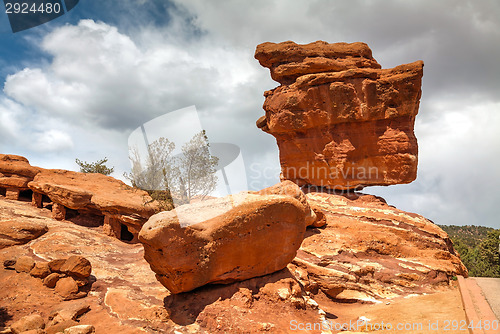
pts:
[478, 247]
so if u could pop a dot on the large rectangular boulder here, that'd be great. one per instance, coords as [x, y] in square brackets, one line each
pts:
[223, 240]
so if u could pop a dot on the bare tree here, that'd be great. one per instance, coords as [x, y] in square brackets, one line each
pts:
[197, 167]
[169, 178]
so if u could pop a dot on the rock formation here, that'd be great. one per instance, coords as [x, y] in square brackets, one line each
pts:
[284, 254]
[126, 297]
[70, 277]
[97, 197]
[370, 251]
[14, 232]
[341, 121]
[224, 240]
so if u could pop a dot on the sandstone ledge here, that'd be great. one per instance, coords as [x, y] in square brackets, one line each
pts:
[91, 198]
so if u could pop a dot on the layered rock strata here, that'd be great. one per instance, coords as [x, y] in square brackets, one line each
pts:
[224, 240]
[340, 121]
[92, 198]
[371, 251]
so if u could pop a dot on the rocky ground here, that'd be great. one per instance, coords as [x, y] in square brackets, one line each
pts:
[125, 297]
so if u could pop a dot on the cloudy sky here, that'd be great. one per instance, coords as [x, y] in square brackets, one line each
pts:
[78, 86]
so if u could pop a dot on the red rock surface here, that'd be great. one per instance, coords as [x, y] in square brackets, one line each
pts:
[13, 232]
[340, 121]
[223, 240]
[126, 298]
[369, 250]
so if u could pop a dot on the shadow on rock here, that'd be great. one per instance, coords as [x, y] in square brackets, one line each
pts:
[184, 308]
[88, 287]
[4, 316]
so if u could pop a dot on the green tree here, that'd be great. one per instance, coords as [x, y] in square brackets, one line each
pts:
[95, 167]
[489, 254]
[478, 248]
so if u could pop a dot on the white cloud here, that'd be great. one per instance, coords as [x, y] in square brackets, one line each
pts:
[53, 141]
[459, 155]
[102, 82]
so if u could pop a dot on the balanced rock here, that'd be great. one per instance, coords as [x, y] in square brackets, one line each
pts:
[340, 121]
[223, 240]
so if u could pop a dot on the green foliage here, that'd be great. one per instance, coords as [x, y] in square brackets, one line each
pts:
[478, 247]
[95, 167]
[163, 198]
[470, 235]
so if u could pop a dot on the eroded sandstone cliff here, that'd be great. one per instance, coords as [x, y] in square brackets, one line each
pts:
[90, 198]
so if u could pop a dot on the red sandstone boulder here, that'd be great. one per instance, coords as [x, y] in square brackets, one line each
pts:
[67, 288]
[27, 323]
[40, 270]
[51, 280]
[77, 266]
[340, 121]
[15, 232]
[223, 240]
[56, 265]
[24, 264]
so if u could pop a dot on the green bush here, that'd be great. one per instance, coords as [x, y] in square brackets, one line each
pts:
[95, 167]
